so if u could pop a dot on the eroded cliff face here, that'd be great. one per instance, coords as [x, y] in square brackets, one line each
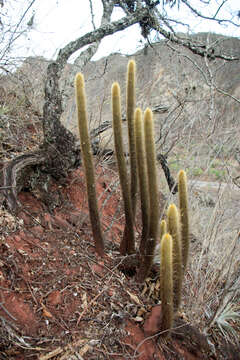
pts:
[184, 90]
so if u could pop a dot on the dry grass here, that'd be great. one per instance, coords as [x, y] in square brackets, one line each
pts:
[212, 289]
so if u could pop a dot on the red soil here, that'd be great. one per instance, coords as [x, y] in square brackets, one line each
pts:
[57, 294]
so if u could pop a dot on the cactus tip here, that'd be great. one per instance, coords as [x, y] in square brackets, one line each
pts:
[131, 65]
[79, 80]
[115, 89]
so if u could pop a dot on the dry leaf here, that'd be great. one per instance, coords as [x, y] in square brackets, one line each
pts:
[51, 354]
[138, 319]
[134, 298]
[84, 300]
[46, 313]
[83, 350]
[141, 311]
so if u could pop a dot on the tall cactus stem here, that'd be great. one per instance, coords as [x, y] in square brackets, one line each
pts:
[183, 207]
[127, 245]
[173, 228]
[143, 179]
[131, 104]
[166, 281]
[88, 163]
[153, 194]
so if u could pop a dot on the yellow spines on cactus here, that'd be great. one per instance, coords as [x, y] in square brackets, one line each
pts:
[88, 163]
[152, 174]
[173, 228]
[183, 206]
[131, 104]
[143, 179]
[166, 281]
[127, 245]
[153, 194]
[162, 229]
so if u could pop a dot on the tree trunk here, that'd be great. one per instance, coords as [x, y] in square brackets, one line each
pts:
[60, 150]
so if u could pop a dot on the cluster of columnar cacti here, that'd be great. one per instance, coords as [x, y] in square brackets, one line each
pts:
[174, 232]
[174, 236]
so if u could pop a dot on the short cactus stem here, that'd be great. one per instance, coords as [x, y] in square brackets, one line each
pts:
[173, 228]
[162, 229]
[166, 281]
[183, 207]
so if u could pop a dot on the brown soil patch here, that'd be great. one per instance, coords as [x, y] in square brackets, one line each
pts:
[60, 301]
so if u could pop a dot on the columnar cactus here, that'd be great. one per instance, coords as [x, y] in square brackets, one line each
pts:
[88, 163]
[166, 281]
[143, 179]
[183, 207]
[153, 195]
[173, 228]
[162, 229]
[127, 245]
[131, 104]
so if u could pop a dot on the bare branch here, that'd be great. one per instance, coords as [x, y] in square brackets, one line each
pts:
[92, 14]
[197, 49]
[16, 35]
[211, 18]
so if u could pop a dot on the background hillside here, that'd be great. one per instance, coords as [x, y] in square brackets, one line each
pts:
[194, 99]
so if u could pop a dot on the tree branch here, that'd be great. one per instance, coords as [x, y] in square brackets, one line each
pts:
[99, 34]
[202, 50]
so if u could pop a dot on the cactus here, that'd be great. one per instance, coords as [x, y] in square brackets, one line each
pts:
[153, 195]
[183, 207]
[88, 163]
[173, 228]
[162, 229]
[166, 281]
[127, 245]
[130, 104]
[174, 234]
[143, 180]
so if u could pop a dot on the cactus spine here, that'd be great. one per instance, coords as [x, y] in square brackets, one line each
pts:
[183, 206]
[143, 180]
[153, 194]
[127, 245]
[166, 281]
[131, 103]
[88, 163]
[173, 225]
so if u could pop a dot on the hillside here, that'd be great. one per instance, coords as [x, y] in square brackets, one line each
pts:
[193, 99]
[58, 299]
